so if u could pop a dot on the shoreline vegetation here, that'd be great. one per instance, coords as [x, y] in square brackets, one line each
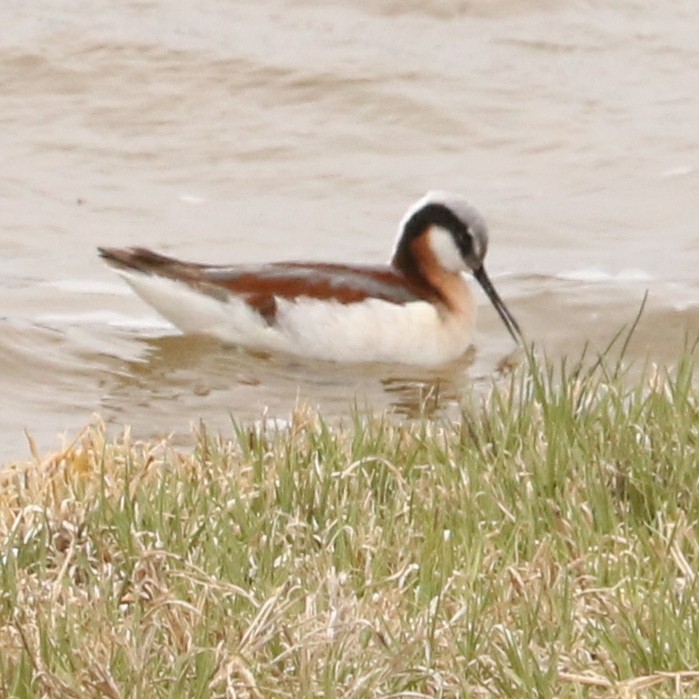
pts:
[544, 545]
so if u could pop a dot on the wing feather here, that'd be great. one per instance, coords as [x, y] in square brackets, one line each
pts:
[261, 285]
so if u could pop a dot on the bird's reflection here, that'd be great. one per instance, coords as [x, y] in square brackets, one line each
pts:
[184, 375]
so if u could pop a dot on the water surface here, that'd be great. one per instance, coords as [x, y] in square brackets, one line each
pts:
[233, 132]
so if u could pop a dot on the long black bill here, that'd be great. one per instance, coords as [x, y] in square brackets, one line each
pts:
[499, 304]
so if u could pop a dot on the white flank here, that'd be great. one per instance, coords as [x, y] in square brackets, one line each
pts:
[370, 331]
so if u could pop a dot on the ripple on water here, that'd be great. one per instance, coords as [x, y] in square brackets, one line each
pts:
[167, 383]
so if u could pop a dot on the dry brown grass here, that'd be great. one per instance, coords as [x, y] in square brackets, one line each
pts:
[544, 546]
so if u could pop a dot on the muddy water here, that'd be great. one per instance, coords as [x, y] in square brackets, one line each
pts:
[230, 131]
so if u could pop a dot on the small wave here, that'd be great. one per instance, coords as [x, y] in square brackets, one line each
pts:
[679, 171]
[86, 286]
[108, 318]
[596, 276]
[192, 199]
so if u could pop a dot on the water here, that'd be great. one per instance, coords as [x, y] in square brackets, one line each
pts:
[228, 131]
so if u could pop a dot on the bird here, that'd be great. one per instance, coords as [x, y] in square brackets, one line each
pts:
[417, 310]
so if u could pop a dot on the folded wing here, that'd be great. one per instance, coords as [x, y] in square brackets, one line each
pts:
[261, 285]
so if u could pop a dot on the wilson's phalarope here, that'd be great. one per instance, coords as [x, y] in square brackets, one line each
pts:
[418, 309]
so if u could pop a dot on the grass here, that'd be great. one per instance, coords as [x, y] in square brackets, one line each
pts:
[546, 545]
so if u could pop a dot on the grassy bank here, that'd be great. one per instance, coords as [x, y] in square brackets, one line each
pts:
[544, 546]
